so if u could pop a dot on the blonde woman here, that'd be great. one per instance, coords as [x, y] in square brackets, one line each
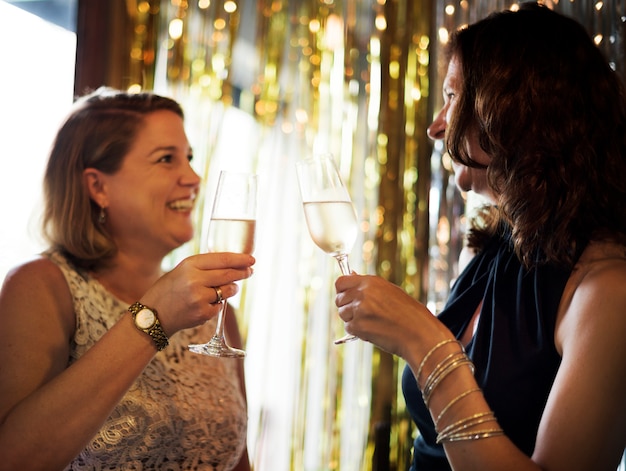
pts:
[94, 367]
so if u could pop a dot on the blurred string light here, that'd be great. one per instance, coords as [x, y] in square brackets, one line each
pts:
[175, 29]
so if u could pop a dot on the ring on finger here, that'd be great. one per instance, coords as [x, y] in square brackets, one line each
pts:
[218, 295]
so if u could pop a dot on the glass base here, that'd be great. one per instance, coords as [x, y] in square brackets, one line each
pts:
[217, 347]
[345, 339]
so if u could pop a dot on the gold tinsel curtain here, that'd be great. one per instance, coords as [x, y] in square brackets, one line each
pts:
[267, 82]
[264, 84]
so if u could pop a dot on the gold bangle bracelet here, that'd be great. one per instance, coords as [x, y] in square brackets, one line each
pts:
[442, 365]
[467, 422]
[454, 401]
[477, 435]
[432, 350]
[442, 374]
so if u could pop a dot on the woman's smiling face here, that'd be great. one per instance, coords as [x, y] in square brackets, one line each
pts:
[151, 198]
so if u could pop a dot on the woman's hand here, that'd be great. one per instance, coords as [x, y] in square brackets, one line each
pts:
[186, 296]
[380, 312]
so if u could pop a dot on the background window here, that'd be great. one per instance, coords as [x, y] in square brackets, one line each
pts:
[36, 92]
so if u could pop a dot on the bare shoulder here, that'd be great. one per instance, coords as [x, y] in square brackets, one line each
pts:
[38, 267]
[601, 269]
[37, 285]
[594, 299]
[38, 272]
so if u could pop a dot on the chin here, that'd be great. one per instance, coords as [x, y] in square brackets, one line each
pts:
[186, 238]
[179, 238]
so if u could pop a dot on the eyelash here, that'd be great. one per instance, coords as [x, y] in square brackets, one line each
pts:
[169, 157]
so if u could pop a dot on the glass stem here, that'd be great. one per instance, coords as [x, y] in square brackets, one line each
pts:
[344, 266]
[219, 330]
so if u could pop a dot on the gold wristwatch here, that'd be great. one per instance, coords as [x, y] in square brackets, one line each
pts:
[146, 320]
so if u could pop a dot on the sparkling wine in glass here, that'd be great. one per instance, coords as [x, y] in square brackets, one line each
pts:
[231, 229]
[330, 215]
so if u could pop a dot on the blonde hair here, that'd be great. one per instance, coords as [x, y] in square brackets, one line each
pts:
[98, 133]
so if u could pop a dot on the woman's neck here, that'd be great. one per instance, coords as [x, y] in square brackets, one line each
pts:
[128, 277]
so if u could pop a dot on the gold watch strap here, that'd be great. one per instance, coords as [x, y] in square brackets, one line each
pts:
[156, 332]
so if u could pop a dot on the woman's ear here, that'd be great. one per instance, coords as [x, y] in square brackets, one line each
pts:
[96, 187]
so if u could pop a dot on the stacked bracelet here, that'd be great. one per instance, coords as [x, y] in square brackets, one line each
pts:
[452, 402]
[492, 432]
[458, 430]
[442, 370]
[432, 350]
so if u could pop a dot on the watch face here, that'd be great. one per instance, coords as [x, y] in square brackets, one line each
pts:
[145, 319]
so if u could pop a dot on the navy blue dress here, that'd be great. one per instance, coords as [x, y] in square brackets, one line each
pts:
[512, 349]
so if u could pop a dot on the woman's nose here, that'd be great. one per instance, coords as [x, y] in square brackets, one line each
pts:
[437, 129]
[190, 177]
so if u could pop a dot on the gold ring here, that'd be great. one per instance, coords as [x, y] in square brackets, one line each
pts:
[218, 295]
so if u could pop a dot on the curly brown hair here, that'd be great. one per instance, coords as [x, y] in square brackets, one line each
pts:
[98, 133]
[551, 113]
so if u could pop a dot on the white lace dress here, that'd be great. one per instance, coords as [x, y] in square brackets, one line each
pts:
[185, 411]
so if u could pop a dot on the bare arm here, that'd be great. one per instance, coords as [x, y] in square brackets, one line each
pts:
[37, 392]
[37, 389]
[584, 424]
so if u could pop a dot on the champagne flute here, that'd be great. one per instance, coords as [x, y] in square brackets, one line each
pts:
[231, 229]
[330, 215]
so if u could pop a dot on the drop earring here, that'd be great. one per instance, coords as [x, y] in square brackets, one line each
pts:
[102, 217]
